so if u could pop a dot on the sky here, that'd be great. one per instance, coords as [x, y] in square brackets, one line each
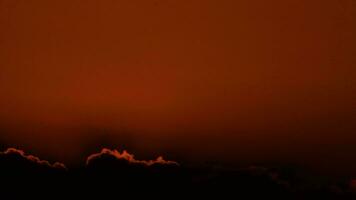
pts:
[227, 80]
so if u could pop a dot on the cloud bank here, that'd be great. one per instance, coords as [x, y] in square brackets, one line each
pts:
[109, 171]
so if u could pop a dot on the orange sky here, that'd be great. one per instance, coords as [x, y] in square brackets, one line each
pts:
[231, 77]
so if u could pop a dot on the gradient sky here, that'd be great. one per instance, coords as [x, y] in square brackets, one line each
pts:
[236, 80]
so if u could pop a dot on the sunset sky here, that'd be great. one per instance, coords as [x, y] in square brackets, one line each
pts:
[208, 80]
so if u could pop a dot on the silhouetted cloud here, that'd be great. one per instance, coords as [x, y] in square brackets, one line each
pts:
[108, 171]
[31, 158]
[353, 186]
[273, 175]
[129, 158]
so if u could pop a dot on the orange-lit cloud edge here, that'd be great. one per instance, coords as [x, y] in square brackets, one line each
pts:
[32, 158]
[130, 158]
[115, 153]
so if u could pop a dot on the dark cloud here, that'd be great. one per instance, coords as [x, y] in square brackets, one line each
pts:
[19, 154]
[353, 186]
[111, 173]
[129, 158]
[24, 175]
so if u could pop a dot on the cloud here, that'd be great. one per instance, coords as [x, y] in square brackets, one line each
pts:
[20, 171]
[353, 186]
[129, 158]
[275, 176]
[21, 154]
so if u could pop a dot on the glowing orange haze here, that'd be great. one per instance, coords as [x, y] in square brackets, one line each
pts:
[231, 80]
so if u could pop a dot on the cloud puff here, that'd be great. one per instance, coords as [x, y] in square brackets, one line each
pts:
[353, 186]
[129, 158]
[31, 158]
[273, 175]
